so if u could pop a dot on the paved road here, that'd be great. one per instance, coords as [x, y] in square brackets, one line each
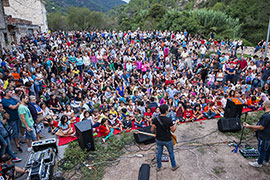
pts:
[24, 155]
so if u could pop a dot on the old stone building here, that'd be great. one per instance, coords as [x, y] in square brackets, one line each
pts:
[3, 28]
[19, 18]
[29, 10]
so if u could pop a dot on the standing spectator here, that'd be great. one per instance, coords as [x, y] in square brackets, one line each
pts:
[27, 121]
[37, 115]
[4, 136]
[11, 107]
[203, 52]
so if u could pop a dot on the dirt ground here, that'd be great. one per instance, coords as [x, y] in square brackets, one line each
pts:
[215, 161]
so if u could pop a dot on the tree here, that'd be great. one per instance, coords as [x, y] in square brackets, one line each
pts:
[203, 21]
[78, 18]
[57, 21]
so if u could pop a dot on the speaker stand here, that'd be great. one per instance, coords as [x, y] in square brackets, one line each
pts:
[237, 146]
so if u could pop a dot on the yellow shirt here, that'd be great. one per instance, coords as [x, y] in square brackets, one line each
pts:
[113, 113]
[76, 72]
[5, 84]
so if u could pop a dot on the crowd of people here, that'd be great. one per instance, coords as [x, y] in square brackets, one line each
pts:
[118, 80]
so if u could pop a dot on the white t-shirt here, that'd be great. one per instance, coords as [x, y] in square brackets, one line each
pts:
[203, 50]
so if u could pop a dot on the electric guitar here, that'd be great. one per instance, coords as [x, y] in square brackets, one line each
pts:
[173, 136]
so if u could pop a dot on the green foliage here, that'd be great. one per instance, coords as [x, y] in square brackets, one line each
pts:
[57, 21]
[156, 12]
[100, 5]
[247, 43]
[219, 6]
[105, 153]
[253, 16]
[203, 21]
[246, 19]
[84, 19]
[80, 19]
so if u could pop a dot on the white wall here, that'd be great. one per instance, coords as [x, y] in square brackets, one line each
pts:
[31, 10]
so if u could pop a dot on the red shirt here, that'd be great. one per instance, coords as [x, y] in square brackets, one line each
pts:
[54, 125]
[103, 131]
[167, 82]
[188, 114]
[148, 115]
[243, 64]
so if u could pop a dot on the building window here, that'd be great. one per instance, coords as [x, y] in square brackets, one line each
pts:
[30, 31]
[6, 38]
[6, 3]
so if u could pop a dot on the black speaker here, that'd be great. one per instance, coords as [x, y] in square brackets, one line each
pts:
[229, 125]
[141, 138]
[144, 172]
[85, 135]
[232, 110]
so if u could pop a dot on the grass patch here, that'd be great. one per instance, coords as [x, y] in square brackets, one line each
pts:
[219, 170]
[105, 155]
[252, 118]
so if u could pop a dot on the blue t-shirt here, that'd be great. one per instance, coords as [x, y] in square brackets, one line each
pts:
[49, 63]
[72, 59]
[120, 91]
[79, 61]
[13, 114]
[64, 127]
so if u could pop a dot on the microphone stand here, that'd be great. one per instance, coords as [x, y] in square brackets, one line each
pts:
[239, 144]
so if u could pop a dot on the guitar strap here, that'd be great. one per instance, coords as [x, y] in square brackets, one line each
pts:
[160, 122]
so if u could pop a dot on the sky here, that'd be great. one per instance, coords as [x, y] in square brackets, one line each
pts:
[126, 0]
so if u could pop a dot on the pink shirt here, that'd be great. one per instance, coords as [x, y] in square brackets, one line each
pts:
[166, 51]
[139, 65]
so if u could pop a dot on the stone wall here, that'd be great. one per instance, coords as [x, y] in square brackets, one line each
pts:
[31, 10]
[2, 17]
[3, 28]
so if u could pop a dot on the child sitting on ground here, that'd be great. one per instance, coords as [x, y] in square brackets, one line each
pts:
[197, 112]
[208, 111]
[53, 125]
[148, 116]
[252, 103]
[65, 128]
[114, 123]
[104, 129]
[188, 114]
[126, 121]
[139, 122]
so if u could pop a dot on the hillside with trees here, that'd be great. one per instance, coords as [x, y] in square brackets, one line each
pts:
[247, 19]
[95, 5]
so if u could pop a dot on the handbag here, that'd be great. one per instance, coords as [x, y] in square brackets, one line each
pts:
[39, 119]
[9, 129]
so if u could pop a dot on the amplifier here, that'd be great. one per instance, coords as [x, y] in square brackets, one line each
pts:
[47, 156]
[249, 152]
[44, 144]
[40, 171]
[164, 158]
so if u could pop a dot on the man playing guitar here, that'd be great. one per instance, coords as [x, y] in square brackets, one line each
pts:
[163, 126]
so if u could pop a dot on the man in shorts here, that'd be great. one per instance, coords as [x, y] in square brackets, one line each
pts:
[27, 121]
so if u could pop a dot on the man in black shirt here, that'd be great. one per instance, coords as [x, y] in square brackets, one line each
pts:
[163, 126]
[263, 129]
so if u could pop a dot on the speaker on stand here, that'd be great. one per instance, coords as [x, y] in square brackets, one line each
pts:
[233, 111]
[234, 107]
